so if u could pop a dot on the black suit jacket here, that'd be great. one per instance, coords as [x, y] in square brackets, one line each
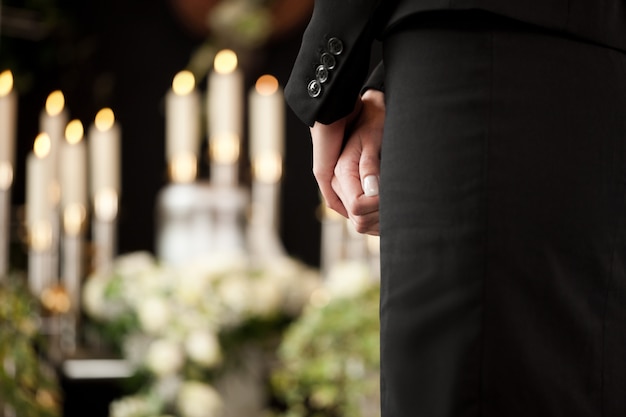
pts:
[333, 61]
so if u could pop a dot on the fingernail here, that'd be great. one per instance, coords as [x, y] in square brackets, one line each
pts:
[370, 185]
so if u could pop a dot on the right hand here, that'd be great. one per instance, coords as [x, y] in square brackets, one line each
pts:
[357, 171]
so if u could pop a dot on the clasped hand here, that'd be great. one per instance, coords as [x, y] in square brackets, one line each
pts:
[346, 162]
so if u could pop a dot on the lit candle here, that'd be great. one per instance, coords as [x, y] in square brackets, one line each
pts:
[8, 113]
[267, 129]
[225, 116]
[182, 127]
[73, 176]
[8, 117]
[38, 184]
[104, 154]
[38, 215]
[52, 121]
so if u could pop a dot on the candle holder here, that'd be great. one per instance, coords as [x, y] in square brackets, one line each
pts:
[263, 233]
[74, 216]
[40, 273]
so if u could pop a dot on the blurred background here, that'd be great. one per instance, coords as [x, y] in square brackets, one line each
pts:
[124, 54]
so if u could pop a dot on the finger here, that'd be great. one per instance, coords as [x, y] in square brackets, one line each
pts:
[367, 224]
[327, 142]
[369, 167]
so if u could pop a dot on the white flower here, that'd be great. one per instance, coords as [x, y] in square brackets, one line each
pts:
[203, 347]
[264, 297]
[134, 263]
[167, 388]
[132, 406]
[164, 357]
[95, 302]
[348, 279]
[196, 399]
[300, 292]
[235, 294]
[154, 314]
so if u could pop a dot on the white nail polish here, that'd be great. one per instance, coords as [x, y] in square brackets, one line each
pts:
[370, 185]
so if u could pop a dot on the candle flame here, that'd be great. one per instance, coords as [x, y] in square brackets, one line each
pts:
[55, 103]
[42, 145]
[266, 85]
[225, 62]
[74, 132]
[104, 119]
[184, 83]
[6, 83]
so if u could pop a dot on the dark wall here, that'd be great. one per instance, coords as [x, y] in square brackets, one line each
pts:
[124, 54]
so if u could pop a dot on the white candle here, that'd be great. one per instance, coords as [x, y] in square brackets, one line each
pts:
[182, 125]
[52, 121]
[104, 154]
[225, 116]
[267, 129]
[38, 182]
[8, 117]
[73, 172]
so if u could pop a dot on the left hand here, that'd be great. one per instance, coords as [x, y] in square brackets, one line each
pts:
[327, 144]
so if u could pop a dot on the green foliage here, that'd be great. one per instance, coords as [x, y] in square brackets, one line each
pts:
[28, 384]
[330, 360]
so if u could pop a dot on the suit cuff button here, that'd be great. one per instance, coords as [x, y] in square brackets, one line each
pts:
[321, 73]
[328, 60]
[314, 89]
[335, 46]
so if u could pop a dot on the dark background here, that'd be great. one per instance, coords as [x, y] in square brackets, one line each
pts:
[123, 54]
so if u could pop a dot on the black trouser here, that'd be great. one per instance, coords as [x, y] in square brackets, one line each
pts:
[502, 222]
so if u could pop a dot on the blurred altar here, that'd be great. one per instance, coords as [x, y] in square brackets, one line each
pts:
[185, 221]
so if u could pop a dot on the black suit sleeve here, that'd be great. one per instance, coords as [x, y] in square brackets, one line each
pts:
[333, 61]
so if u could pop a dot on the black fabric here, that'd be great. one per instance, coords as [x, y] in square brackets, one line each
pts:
[502, 223]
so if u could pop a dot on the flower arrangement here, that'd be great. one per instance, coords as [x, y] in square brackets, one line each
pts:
[28, 384]
[329, 358]
[201, 338]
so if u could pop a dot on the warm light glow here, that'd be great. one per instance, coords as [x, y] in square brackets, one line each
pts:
[105, 204]
[183, 83]
[6, 175]
[55, 103]
[73, 217]
[41, 236]
[56, 299]
[268, 167]
[74, 132]
[42, 145]
[6, 83]
[225, 148]
[266, 85]
[225, 62]
[104, 119]
[184, 168]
